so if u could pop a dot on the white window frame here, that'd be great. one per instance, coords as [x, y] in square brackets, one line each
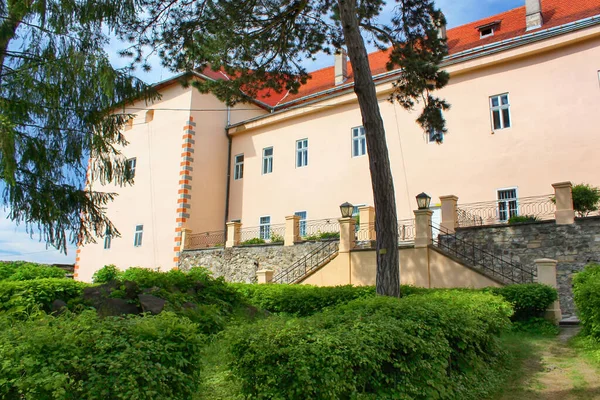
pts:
[301, 153]
[131, 164]
[302, 223]
[507, 201]
[138, 235]
[107, 240]
[267, 161]
[359, 141]
[500, 109]
[238, 169]
[482, 36]
[264, 231]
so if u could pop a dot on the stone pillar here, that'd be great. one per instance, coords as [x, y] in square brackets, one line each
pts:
[264, 276]
[292, 230]
[234, 233]
[449, 212]
[564, 214]
[367, 222]
[423, 234]
[546, 274]
[184, 236]
[347, 234]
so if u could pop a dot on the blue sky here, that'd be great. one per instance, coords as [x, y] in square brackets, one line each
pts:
[16, 244]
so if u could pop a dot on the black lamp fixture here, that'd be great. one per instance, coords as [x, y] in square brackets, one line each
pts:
[423, 201]
[347, 209]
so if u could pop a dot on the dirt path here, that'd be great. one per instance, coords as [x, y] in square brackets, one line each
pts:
[555, 372]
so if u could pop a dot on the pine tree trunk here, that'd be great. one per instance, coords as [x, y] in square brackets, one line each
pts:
[386, 221]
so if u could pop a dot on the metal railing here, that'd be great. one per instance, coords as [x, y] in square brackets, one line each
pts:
[262, 234]
[310, 262]
[205, 240]
[500, 211]
[320, 229]
[499, 267]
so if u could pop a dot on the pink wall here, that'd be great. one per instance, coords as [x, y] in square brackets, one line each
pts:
[554, 99]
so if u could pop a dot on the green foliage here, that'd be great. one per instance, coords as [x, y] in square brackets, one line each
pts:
[276, 238]
[24, 271]
[586, 198]
[520, 219]
[322, 236]
[106, 274]
[439, 345]
[536, 326]
[586, 293]
[23, 296]
[530, 300]
[589, 347]
[85, 357]
[253, 241]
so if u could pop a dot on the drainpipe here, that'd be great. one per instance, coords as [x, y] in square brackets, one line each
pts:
[228, 168]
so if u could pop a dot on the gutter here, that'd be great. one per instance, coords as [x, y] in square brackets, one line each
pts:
[228, 183]
[457, 58]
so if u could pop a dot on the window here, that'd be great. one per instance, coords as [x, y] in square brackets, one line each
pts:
[507, 204]
[500, 109]
[107, 239]
[301, 153]
[267, 166]
[359, 142]
[302, 215]
[435, 136]
[238, 172]
[265, 228]
[139, 232]
[130, 168]
[486, 32]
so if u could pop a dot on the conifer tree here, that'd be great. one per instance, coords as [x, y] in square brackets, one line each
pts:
[58, 91]
[262, 43]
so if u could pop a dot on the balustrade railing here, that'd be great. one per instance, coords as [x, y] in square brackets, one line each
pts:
[537, 208]
[205, 240]
[262, 234]
[365, 232]
[497, 266]
[320, 229]
[406, 231]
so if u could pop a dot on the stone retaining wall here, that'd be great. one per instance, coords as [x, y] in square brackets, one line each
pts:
[573, 246]
[239, 264]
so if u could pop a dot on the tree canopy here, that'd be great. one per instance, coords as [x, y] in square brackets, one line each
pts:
[58, 93]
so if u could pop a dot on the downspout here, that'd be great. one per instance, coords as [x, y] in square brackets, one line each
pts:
[229, 139]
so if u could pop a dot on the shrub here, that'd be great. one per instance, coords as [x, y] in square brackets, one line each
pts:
[586, 293]
[253, 241]
[521, 219]
[586, 198]
[20, 296]
[322, 236]
[276, 238]
[84, 357]
[420, 347]
[530, 300]
[24, 271]
[106, 274]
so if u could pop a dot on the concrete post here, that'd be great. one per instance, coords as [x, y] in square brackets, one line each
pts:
[564, 214]
[546, 274]
[185, 232]
[423, 234]
[234, 233]
[347, 234]
[264, 276]
[367, 222]
[449, 212]
[292, 230]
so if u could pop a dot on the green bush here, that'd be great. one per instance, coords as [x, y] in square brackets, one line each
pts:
[529, 300]
[253, 241]
[85, 357]
[276, 238]
[23, 296]
[106, 274]
[521, 219]
[586, 198]
[586, 293]
[24, 271]
[440, 345]
[322, 236]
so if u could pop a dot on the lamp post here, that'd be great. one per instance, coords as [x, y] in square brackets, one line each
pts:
[346, 209]
[423, 201]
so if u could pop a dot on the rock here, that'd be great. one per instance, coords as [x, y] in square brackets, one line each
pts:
[152, 304]
[116, 307]
[58, 307]
[153, 289]
[96, 295]
[131, 290]
[188, 305]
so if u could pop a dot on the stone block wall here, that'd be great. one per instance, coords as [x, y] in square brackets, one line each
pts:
[573, 246]
[239, 264]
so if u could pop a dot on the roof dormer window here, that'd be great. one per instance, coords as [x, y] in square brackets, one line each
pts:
[487, 30]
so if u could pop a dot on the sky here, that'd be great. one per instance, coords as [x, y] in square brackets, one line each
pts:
[16, 244]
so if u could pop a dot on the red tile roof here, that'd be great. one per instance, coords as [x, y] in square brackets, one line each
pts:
[464, 37]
